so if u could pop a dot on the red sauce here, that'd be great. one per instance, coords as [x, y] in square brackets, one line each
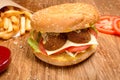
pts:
[4, 58]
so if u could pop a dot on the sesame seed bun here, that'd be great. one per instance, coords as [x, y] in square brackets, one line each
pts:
[65, 17]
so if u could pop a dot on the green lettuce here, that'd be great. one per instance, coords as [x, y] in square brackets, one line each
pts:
[33, 43]
[94, 28]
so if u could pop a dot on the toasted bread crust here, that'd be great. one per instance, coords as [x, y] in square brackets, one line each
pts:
[65, 17]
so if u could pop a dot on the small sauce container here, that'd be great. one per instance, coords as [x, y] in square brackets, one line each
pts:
[5, 58]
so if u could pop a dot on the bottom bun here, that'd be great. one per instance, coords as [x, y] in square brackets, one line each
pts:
[64, 59]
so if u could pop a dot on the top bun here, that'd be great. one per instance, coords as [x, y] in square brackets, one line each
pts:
[65, 17]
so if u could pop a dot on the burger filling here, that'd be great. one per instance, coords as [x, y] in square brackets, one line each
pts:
[71, 43]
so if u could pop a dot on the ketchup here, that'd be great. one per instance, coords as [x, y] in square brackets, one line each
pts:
[4, 58]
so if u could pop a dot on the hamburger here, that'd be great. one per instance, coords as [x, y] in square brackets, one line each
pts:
[64, 34]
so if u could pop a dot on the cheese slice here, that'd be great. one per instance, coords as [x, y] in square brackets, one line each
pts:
[69, 43]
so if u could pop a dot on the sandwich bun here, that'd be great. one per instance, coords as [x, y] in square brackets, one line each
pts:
[65, 18]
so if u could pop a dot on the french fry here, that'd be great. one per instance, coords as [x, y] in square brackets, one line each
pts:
[11, 13]
[6, 21]
[27, 24]
[16, 27]
[28, 14]
[22, 25]
[6, 34]
[1, 14]
[2, 33]
[10, 27]
[1, 23]
[14, 19]
[1, 29]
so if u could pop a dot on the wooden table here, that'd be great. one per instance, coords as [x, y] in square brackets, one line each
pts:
[103, 65]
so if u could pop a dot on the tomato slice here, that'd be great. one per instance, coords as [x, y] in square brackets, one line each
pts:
[107, 31]
[77, 48]
[104, 25]
[116, 25]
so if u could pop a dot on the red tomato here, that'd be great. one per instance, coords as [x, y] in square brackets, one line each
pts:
[77, 48]
[104, 25]
[4, 58]
[116, 25]
[74, 49]
[107, 31]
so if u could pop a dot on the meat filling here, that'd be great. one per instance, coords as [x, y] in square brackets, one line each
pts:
[53, 41]
[82, 36]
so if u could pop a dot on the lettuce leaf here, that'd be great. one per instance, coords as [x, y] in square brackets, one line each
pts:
[33, 43]
[94, 28]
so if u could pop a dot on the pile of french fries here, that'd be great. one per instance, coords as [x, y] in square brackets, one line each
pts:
[13, 21]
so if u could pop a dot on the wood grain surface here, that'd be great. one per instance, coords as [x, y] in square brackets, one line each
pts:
[103, 65]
